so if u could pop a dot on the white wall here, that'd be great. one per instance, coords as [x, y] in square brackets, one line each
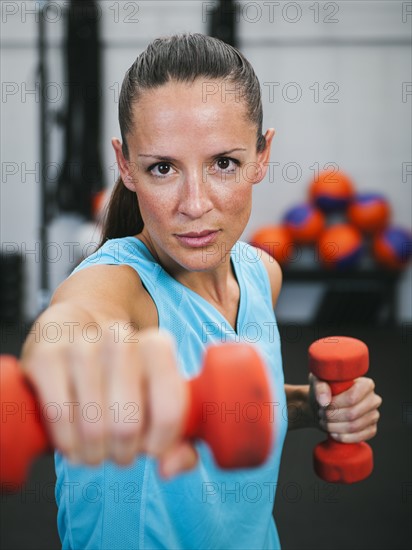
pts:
[333, 91]
[363, 56]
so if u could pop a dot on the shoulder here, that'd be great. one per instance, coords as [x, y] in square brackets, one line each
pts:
[118, 251]
[274, 273]
[110, 291]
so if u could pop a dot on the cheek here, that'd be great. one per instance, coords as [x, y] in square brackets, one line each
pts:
[154, 205]
[237, 199]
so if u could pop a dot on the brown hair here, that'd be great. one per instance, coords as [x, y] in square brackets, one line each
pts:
[182, 58]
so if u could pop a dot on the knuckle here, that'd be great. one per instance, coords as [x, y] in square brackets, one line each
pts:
[351, 415]
[61, 427]
[93, 432]
[353, 427]
[356, 426]
[126, 430]
[332, 416]
[352, 398]
[83, 352]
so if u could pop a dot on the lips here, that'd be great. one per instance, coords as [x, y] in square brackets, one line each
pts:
[196, 234]
[196, 239]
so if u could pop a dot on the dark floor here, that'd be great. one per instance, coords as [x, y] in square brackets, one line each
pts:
[311, 515]
[373, 514]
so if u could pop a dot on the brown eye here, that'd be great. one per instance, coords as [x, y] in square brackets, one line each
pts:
[223, 163]
[163, 168]
[227, 164]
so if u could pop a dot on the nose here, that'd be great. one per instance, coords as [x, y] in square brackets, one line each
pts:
[195, 199]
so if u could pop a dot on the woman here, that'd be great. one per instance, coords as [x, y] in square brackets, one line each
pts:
[192, 149]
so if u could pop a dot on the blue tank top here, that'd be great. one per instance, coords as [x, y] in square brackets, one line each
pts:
[110, 507]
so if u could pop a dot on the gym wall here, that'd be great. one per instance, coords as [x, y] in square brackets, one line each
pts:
[336, 87]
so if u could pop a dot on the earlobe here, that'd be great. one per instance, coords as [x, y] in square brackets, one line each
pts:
[129, 183]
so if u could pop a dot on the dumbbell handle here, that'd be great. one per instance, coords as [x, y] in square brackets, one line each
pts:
[233, 376]
[331, 445]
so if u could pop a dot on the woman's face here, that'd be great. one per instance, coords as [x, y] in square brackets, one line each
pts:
[192, 163]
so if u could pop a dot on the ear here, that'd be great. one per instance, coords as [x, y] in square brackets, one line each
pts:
[123, 164]
[264, 156]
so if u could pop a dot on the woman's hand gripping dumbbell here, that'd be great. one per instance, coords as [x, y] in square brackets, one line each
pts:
[339, 360]
[233, 375]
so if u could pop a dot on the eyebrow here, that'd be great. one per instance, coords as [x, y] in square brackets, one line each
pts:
[171, 159]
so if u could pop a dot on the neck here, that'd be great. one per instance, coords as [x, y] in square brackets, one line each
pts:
[217, 285]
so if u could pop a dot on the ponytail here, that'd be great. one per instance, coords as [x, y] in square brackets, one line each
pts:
[122, 217]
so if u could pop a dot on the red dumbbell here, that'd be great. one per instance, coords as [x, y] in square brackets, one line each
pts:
[339, 360]
[232, 380]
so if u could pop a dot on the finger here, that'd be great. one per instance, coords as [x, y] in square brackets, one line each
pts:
[125, 398]
[361, 388]
[167, 393]
[357, 437]
[356, 426]
[89, 408]
[322, 391]
[333, 413]
[177, 459]
[48, 375]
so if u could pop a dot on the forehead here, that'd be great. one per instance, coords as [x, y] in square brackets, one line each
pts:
[204, 110]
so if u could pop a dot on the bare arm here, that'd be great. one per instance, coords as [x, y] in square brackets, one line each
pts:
[109, 351]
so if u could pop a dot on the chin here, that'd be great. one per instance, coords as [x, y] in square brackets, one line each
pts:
[202, 259]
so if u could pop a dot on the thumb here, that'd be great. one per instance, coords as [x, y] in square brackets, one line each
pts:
[322, 391]
[178, 459]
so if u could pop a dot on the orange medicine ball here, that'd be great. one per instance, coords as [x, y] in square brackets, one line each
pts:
[369, 212]
[276, 240]
[305, 223]
[393, 247]
[340, 246]
[331, 191]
